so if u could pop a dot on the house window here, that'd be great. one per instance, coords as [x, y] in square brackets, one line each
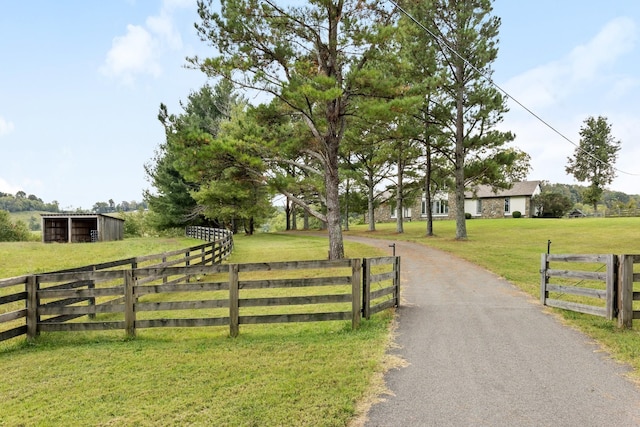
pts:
[440, 207]
[479, 206]
[406, 212]
[507, 204]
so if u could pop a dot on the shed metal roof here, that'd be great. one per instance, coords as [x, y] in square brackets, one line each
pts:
[77, 215]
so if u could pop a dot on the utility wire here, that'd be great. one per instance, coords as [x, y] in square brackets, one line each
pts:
[490, 80]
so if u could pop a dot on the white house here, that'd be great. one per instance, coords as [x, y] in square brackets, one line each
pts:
[481, 202]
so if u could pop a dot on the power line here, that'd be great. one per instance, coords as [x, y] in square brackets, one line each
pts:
[490, 80]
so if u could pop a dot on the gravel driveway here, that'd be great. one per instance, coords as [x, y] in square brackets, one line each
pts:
[482, 353]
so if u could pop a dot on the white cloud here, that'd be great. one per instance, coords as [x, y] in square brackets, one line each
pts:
[6, 127]
[591, 79]
[141, 49]
[622, 87]
[134, 53]
[6, 187]
[615, 39]
[162, 26]
[550, 83]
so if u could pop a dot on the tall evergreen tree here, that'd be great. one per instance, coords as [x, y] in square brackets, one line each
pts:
[171, 201]
[466, 35]
[312, 58]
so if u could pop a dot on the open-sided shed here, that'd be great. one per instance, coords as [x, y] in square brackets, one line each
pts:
[79, 228]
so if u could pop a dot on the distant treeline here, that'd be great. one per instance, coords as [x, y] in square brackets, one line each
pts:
[611, 199]
[124, 206]
[21, 202]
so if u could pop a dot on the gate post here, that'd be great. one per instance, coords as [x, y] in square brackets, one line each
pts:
[396, 266]
[612, 284]
[544, 265]
[625, 292]
[366, 288]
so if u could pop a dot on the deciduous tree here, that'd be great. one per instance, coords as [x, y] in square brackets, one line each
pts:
[594, 158]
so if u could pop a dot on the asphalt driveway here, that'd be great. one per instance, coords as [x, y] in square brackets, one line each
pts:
[480, 352]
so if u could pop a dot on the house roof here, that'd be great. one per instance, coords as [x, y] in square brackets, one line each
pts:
[523, 188]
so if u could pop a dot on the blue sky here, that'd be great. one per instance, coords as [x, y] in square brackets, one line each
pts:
[81, 83]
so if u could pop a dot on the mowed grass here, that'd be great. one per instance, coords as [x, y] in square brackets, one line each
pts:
[512, 249]
[311, 374]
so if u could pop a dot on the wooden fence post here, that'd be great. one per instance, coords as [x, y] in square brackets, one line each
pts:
[165, 278]
[397, 281]
[187, 263]
[129, 309]
[356, 268]
[612, 283]
[625, 291]
[234, 296]
[366, 288]
[544, 265]
[32, 287]
[92, 300]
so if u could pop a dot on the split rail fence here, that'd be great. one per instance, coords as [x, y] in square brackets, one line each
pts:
[201, 294]
[601, 285]
[21, 300]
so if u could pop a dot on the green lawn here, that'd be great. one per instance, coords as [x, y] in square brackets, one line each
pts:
[291, 374]
[313, 374]
[512, 249]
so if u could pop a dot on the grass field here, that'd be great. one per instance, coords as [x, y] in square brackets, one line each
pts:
[293, 374]
[512, 249]
[312, 374]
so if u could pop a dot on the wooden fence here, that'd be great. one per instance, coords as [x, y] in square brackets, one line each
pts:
[21, 302]
[208, 233]
[202, 294]
[603, 288]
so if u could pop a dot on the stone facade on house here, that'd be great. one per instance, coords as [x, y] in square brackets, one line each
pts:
[482, 202]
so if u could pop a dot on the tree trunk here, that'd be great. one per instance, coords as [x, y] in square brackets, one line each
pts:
[346, 207]
[370, 205]
[294, 220]
[332, 182]
[461, 224]
[399, 195]
[427, 191]
[287, 212]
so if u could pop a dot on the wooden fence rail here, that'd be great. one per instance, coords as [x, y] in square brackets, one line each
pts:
[229, 295]
[20, 301]
[611, 282]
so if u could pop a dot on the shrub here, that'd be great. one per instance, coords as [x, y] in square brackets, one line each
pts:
[551, 205]
[467, 215]
[516, 214]
[10, 232]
